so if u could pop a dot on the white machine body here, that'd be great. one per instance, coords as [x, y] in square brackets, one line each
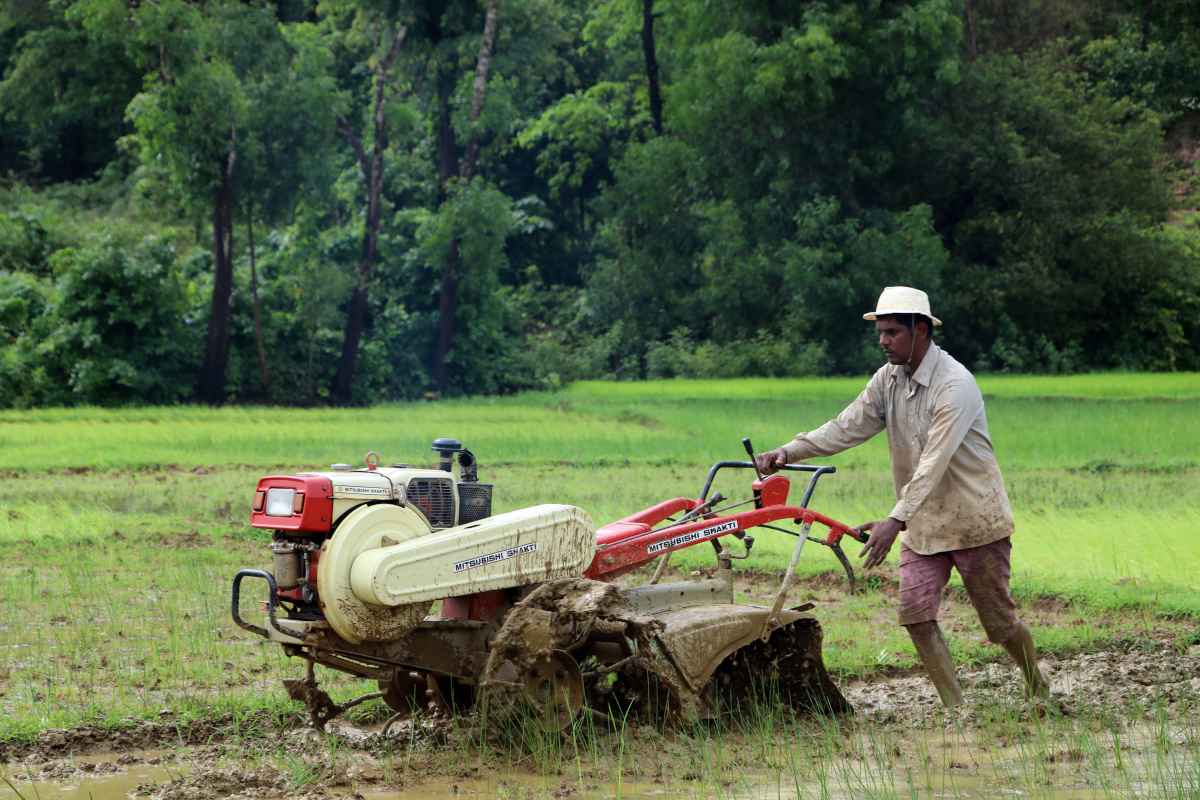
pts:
[384, 564]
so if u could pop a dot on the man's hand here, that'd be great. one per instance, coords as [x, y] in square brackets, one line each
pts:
[883, 533]
[770, 462]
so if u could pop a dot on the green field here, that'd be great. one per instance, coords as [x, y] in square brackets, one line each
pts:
[121, 528]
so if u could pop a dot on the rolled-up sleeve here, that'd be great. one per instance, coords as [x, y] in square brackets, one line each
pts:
[860, 420]
[955, 409]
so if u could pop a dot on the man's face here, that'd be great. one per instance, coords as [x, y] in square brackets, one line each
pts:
[895, 340]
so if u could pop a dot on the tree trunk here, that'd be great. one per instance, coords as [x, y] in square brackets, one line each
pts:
[648, 51]
[483, 65]
[972, 37]
[211, 385]
[264, 374]
[447, 146]
[448, 294]
[372, 171]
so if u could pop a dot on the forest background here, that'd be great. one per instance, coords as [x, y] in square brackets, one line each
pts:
[342, 202]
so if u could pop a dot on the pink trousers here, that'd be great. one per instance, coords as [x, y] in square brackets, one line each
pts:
[985, 573]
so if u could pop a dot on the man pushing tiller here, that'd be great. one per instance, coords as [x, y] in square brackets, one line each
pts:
[950, 498]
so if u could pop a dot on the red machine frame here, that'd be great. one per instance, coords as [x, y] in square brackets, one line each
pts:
[632, 541]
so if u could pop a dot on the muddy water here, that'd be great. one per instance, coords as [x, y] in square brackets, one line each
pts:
[882, 763]
[901, 745]
[101, 776]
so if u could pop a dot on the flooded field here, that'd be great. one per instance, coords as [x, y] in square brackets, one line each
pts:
[123, 676]
[1125, 724]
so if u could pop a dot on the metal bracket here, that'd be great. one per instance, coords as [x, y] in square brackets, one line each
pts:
[772, 620]
[272, 603]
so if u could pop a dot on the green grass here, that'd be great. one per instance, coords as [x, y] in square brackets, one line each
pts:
[1111, 421]
[114, 587]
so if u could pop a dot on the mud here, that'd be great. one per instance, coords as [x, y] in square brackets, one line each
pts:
[1086, 683]
[430, 758]
[86, 740]
[561, 616]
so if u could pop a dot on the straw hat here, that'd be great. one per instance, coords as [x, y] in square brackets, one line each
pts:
[902, 300]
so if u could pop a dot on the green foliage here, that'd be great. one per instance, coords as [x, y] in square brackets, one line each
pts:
[681, 357]
[1009, 160]
[580, 135]
[121, 308]
[1155, 74]
[1052, 196]
[477, 218]
[302, 290]
[112, 328]
[25, 244]
[653, 232]
[64, 89]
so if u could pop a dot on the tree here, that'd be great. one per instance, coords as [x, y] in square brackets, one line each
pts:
[450, 168]
[287, 146]
[214, 83]
[650, 54]
[64, 89]
[389, 40]
[1050, 194]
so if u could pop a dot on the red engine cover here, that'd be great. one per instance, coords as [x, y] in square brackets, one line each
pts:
[315, 517]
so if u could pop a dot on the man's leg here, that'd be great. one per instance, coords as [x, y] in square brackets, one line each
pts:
[1020, 646]
[935, 656]
[922, 579]
[985, 572]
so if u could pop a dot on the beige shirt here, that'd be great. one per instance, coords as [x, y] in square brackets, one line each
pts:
[949, 492]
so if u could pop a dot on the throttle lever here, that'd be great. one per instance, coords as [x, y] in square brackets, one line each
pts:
[750, 451]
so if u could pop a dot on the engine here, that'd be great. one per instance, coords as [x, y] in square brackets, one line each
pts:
[366, 550]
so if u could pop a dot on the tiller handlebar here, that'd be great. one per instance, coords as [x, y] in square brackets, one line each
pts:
[632, 541]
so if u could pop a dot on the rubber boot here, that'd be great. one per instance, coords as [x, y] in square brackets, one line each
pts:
[935, 656]
[1020, 646]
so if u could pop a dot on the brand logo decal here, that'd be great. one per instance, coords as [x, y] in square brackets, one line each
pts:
[694, 536]
[492, 558]
[369, 491]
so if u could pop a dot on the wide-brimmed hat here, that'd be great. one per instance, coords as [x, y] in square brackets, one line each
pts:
[902, 300]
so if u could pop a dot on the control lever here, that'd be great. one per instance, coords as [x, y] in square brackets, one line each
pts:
[750, 451]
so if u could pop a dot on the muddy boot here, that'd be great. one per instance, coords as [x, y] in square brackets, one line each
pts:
[935, 655]
[1020, 646]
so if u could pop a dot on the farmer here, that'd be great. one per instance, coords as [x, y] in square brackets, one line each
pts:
[950, 498]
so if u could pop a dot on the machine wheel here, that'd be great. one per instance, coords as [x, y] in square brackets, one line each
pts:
[545, 691]
[554, 689]
[406, 691]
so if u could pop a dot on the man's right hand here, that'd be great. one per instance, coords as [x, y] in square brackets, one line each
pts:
[770, 462]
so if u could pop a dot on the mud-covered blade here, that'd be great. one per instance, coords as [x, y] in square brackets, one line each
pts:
[719, 651]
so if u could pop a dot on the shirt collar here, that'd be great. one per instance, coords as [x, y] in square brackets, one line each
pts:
[924, 373]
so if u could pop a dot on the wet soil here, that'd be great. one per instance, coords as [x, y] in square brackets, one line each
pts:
[170, 761]
[1089, 683]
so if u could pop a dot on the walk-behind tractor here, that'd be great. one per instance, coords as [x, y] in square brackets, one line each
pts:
[530, 617]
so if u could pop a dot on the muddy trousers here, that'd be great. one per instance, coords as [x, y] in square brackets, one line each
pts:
[985, 572]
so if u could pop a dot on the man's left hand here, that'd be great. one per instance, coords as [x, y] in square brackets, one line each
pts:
[883, 533]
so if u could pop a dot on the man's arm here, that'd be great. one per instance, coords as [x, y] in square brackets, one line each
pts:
[858, 422]
[955, 409]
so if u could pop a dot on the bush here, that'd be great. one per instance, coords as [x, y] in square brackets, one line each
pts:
[115, 331]
[25, 244]
[764, 355]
